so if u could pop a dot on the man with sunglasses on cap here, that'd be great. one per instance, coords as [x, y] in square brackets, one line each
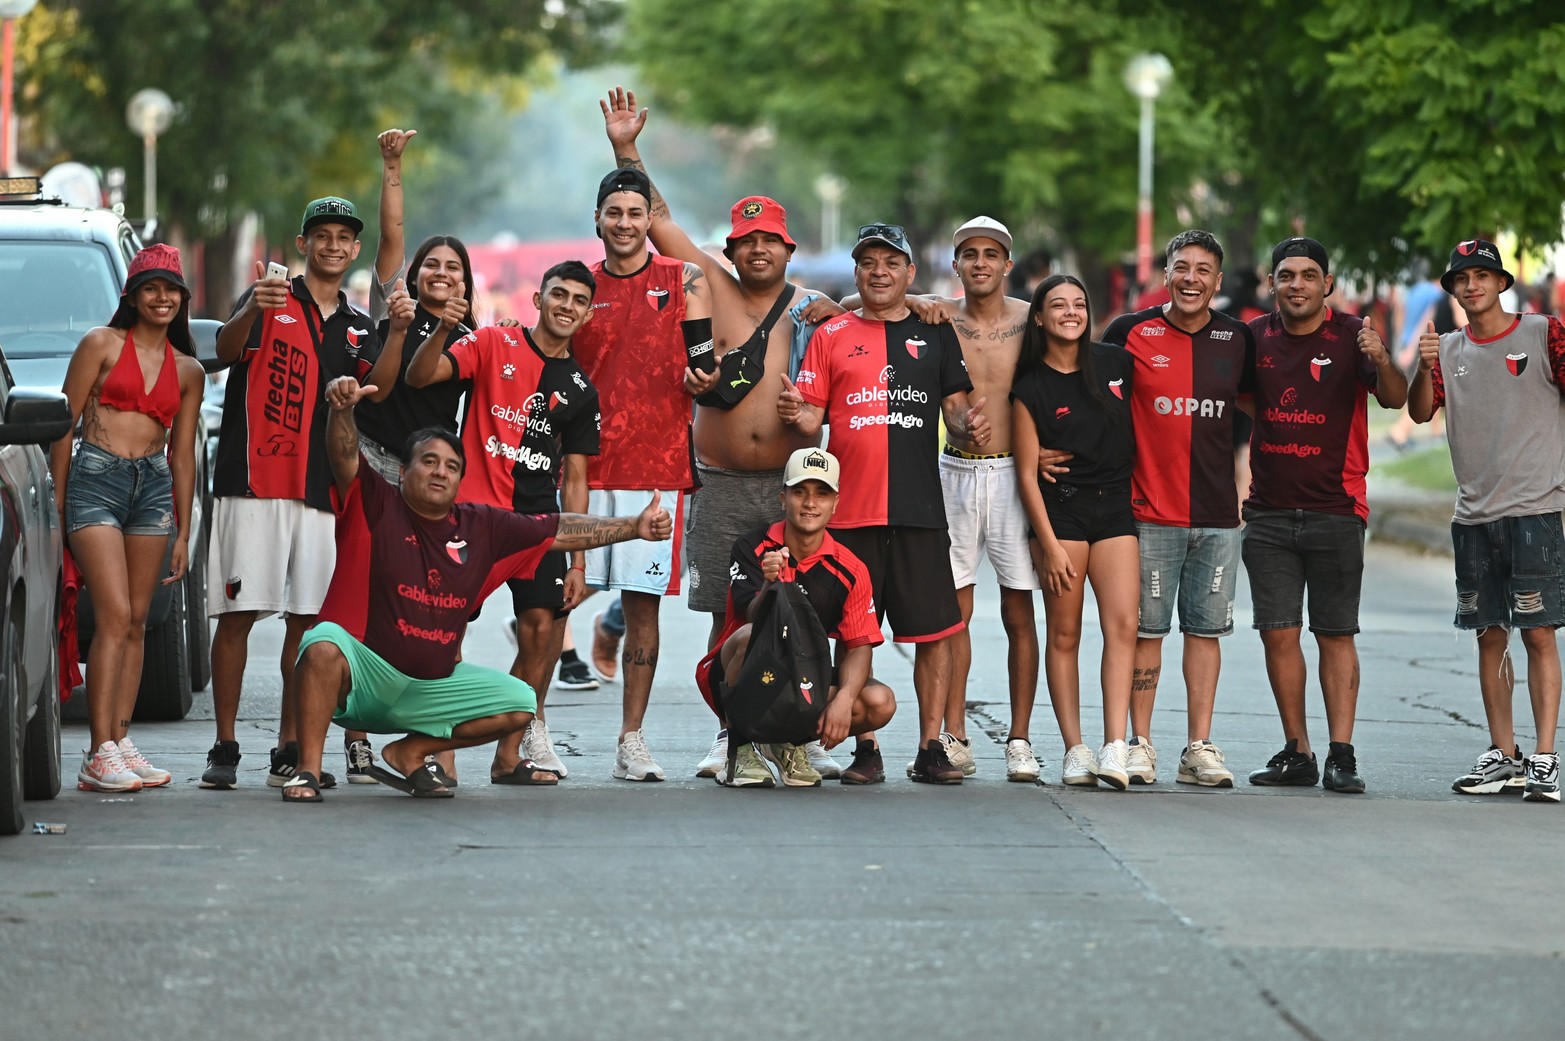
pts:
[272, 545]
[644, 351]
[1500, 381]
[741, 444]
[884, 378]
[1305, 515]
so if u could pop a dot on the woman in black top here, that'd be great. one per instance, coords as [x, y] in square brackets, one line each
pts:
[1073, 394]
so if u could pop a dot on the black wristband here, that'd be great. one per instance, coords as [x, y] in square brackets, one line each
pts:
[698, 343]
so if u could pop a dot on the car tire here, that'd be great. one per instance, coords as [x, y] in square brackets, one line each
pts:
[165, 694]
[41, 757]
[11, 821]
[198, 628]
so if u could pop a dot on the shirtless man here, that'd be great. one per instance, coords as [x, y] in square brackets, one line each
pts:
[741, 449]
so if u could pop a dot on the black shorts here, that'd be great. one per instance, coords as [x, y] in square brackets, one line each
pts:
[1087, 513]
[910, 572]
[545, 589]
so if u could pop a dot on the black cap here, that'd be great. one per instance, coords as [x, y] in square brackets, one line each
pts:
[628, 179]
[892, 236]
[1299, 246]
[1475, 253]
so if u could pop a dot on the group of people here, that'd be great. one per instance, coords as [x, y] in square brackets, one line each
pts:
[379, 474]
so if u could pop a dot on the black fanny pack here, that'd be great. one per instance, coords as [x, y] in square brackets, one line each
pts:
[741, 369]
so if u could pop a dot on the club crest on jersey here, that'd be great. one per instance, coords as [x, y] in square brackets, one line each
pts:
[287, 319]
[456, 549]
[1318, 368]
[658, 298]
[354, 336]
[557, 400]
[917, 348]
[1517, 363]
[1116, 388]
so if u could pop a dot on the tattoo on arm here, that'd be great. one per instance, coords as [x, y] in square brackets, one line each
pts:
[694, 280]
[659, 207]
[580, 532]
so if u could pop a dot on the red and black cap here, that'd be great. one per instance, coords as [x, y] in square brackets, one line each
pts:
[1475, 253]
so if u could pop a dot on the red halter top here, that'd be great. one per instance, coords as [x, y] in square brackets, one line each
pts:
[125, 387]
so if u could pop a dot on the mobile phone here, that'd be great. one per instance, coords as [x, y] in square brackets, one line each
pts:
[276, 270]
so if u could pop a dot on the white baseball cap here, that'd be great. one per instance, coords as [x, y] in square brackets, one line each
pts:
[812, 464]
[983, 227]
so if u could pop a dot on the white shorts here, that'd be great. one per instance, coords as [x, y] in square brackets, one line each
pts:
[984, 514]
[269, 555]
[637, 566]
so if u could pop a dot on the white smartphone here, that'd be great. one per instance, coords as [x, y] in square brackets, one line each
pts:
[276, 270]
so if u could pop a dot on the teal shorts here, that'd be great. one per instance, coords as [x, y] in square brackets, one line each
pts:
[383, 700]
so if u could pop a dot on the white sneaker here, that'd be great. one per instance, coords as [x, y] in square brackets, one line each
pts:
[1020, 762]
[1141, 762]
[1080, 767]
[538, 746]
[717, 759]
[822, 762]
[136, 763]
[1202, 763]
[105, 771]
[1111, 765]
[632, 761]
[960, 753]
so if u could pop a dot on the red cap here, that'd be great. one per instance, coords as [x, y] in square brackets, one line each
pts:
[160, 261]
[758, 213]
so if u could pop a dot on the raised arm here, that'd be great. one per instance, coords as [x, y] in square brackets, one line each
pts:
[392, 248]
[1421, 396]
[383, 374]
[430, 364]
[266, 294]
[584, 531]
[1390, 380]
[342, 433]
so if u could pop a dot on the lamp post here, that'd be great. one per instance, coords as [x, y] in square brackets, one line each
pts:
[1146, 76]
[830, 189]
[149, 114]
[10, 11]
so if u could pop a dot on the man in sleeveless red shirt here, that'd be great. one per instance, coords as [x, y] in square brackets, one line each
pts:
[1305, 515]
[651, 317]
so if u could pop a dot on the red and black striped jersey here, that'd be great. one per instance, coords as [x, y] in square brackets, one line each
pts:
[835, 581]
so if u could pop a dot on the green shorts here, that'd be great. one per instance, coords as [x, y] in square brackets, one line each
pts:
[383, 700]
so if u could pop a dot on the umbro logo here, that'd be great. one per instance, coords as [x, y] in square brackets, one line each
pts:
[287, 319]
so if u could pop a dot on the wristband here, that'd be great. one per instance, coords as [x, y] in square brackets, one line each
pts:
[698, 344]
[577, 567]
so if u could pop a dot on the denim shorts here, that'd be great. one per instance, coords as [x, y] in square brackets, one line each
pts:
[134, 495]
[1198, 565]
[1509, 573]
[1289, 551]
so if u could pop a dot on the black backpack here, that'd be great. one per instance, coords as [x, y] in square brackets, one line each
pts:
[782, 687]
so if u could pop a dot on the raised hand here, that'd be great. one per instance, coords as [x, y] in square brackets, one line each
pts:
[621, 121]
[271, 294]
[455, 311]
[654, 523]
[790, 403]
[344, 392]
[1428, 346]
[400, 307]
[1371, 345]
[393, 141]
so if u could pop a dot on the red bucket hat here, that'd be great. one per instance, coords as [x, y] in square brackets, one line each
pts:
[160, 261]
[758, 213]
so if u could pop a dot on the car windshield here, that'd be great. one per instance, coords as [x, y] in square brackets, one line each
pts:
[51, 293]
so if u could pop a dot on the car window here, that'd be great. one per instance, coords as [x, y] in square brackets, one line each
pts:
[51, 293]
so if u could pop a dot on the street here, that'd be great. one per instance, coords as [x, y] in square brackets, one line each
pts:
[605, 909]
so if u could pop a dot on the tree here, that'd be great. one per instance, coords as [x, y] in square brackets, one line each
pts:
[279, 101]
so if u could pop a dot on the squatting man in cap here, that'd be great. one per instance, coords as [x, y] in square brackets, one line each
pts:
[412, 564]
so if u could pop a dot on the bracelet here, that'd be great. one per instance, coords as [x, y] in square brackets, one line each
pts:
[577, 567]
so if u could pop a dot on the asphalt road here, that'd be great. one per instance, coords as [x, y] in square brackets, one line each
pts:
[605, 909]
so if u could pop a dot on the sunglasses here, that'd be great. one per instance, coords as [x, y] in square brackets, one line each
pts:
[892, 233]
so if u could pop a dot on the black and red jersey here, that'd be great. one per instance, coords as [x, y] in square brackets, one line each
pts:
[408, 408]
[1183, 407]
[405, 586]
[1310, 446]
[273, 439]
[633, 351]
[881, 385]
[1068, 418]
[527, 411]
[835, 581]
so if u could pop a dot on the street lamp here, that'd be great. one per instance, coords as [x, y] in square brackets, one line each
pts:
[149, 114]
[830, 188]
[10, 11]
[1146, 76]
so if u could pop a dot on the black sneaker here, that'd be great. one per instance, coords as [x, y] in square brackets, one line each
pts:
[1290, 767]
[1342, 770]
[285, 763]
[222, 765]
[360, 758]
[933, 766]
[867, 767]
[574, 675]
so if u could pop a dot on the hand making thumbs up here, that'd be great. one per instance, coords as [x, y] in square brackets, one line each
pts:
[654, 523]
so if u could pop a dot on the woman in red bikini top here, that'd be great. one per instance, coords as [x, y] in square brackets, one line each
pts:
[126, 490]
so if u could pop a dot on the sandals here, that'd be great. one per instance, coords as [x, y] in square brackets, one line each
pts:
[527, 772]
[302, 780]
[421, 783]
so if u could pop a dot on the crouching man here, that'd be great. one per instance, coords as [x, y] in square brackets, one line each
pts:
[412, 565]
[800, 549]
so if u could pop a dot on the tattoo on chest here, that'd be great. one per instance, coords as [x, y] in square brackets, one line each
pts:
[991, 335]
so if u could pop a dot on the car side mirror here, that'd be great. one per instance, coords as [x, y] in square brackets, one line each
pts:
[35, 417]
[203, 331]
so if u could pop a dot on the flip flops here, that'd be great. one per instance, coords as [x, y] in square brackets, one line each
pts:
[421, 783]
[439, 772]
[305, 780]
[526, 772]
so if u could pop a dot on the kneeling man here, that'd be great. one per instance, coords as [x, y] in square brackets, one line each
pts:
[412, 566]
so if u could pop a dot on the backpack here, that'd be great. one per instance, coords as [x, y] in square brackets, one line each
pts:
[780, 692]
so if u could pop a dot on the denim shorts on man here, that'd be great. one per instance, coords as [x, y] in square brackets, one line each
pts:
[1509, 573]
[1289, 551]
[133, 495]
[1198, 566]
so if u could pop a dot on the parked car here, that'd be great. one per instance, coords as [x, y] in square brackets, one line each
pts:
[61, 270]
[30, 582]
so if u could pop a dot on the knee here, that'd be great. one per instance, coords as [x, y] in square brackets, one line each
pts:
[1065, 639]
[321, 661]
[1016, 614]
[513, 721]
[1538, 639]
[880, 704]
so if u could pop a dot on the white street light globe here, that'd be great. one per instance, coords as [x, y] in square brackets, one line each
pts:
[150, 112]
[1148, 74]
